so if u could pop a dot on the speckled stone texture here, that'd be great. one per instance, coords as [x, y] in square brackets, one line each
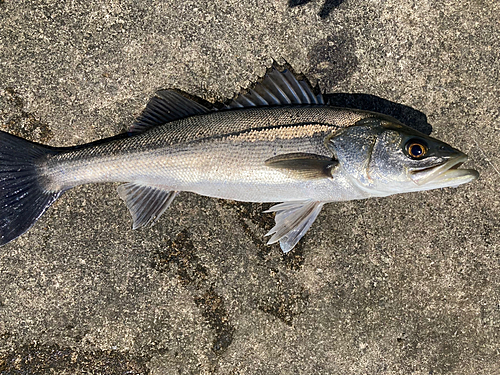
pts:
[408, 284]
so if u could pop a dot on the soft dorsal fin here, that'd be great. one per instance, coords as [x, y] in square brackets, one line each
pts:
[146, 203]
[166, 106]
[293, 220]
[277, 88]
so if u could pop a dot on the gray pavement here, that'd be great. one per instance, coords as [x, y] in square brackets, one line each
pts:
[408, 284]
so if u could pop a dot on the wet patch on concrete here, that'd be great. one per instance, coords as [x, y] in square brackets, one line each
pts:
[286, 305]
[213, 310]
[21, 122]
[40, 359]
[295, 3]
[333, 60]
[282, 297]
[328, 6]
[326, 9]
[181, 253]
[252, 216]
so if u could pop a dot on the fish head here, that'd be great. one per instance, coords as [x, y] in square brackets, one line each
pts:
[384, 157]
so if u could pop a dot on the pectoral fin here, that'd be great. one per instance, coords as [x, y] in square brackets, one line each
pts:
[293, 220]
[302, 165]
[146, 203]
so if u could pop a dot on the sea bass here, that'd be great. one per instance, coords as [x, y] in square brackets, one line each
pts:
[278, 142]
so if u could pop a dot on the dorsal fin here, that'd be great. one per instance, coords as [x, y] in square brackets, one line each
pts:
[277, 88]
[166, 106]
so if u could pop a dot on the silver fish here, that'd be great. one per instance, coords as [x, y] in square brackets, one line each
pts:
[277, 142]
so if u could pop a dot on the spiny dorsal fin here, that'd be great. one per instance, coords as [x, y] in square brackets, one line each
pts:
[146, 203]
[303, 165]
[166, 106]
[277, 88]
[293, 220]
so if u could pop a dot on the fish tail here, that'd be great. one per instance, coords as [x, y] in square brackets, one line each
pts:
[23, 197]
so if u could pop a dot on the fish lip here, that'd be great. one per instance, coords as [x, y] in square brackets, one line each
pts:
[447, 170]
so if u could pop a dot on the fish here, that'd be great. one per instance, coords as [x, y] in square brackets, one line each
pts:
[277, 142]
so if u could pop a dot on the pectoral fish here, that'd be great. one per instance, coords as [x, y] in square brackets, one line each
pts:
[277, 142]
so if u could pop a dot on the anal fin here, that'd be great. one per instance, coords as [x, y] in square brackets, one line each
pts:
[293, 220]
[146, 203]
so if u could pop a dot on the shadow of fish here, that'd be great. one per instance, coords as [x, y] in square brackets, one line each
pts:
[277, 142]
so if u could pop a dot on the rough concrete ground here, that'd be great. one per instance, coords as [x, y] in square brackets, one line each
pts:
[408, 284]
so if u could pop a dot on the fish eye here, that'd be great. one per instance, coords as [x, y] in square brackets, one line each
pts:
[416, 148]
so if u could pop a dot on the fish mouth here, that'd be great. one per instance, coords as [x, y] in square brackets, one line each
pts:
[446, 174]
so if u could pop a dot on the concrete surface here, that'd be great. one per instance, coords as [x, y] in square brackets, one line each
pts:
[408, 284]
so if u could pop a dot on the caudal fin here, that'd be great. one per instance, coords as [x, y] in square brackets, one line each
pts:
[23, 199]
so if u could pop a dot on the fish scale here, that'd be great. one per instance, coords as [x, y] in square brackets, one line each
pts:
[236, 143]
